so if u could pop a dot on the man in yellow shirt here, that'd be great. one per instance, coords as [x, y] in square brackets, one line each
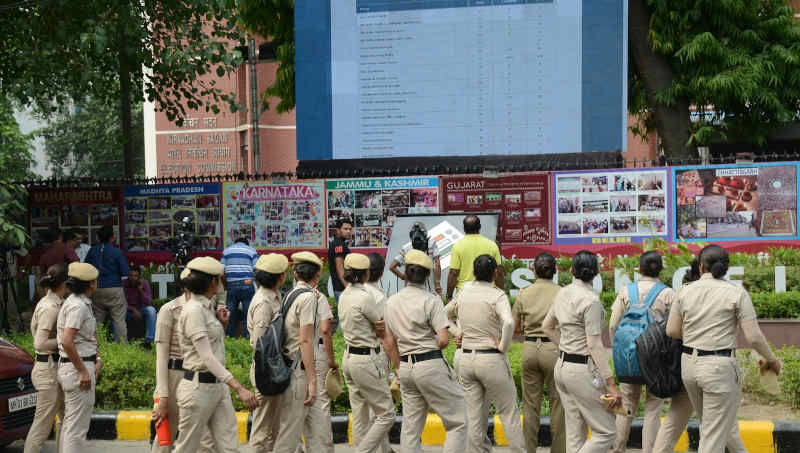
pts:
[464, 252]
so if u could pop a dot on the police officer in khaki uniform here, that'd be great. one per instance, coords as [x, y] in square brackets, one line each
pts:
[539, 355]
[300, 329]
[169, 369]
[363, 367]
[417, 323]
[485, 316]
[650, 265]
[45, 372]
[270, 273]
[706, 316]
[79, 364]
[575, 324]
[204, 400]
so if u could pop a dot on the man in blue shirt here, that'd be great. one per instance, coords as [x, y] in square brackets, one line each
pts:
[239, 260]
[109, 297]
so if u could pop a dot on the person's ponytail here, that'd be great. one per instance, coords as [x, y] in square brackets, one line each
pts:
[719, 269]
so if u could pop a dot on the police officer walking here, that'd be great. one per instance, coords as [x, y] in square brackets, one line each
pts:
[169, 369]
[79, 364]
[204, 400]
[487, 326]
[539, 355]
[417, 323]
[45, 372]
[575, 323]
[363, 366]
[270, 273]
[706, 316]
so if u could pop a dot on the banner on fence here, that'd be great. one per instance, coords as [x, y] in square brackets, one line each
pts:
[275, 216]
[736, 202]
[155, 214]
[372, 204]
[523, 201]
[610, 206]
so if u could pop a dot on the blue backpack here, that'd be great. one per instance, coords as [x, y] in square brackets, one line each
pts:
[634, 323]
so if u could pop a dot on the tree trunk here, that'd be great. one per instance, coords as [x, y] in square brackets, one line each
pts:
[125, 114]
[672, 122]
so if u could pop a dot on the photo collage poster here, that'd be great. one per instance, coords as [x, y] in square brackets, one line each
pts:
[617, 206]
[155, 214]
[736, 202]
[372, 204]
[275, 215]
[81, 210]
[523, 201]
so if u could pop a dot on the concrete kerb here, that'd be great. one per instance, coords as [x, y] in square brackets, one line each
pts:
[758, 436]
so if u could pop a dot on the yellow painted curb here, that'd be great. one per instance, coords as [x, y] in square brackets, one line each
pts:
[434, 433]
[133, 425]
[241, 419]
[757, 436]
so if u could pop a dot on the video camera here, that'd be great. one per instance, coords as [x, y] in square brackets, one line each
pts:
[184, 241]
[419, 238]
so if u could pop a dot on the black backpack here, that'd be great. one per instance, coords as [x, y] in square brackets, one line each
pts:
[272, 374]
[659, 357]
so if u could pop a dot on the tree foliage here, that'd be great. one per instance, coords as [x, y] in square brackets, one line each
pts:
[16, 162]
[737, 62]
[86, 141]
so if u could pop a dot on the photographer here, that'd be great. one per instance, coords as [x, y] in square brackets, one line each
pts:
[420, 241]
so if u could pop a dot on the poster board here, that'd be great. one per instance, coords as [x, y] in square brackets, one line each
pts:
[275, 215]
[610, 206]
[522, 199]
[83, 210]
[153, 215]
[736, 202]
[373, 204]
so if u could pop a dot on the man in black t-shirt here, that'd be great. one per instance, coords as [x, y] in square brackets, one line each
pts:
[337, 250]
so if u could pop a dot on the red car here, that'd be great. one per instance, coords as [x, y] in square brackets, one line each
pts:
[17, 394]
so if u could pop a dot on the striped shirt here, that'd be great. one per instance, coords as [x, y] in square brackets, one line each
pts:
[239, 260]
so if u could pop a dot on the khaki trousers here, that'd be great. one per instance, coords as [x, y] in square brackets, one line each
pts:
[292, 413]
[431, 384]
[50, 403]
[489, 375]
[538, 361]
[78, 406]
[652, 418]
[583, 409]
[714, 386]
[317, 429]
[485, 445]
[369, 393]
[203, 408]
[111, 302]
[265, 425]
[206, 443]
[680, 410]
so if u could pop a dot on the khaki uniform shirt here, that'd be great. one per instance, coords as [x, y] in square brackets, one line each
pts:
[265, 305]
[533, 303]
[481, 309]
[167, 326]
[302, 313]
[76, 313]
[45, 316]
[712, 310]
[658, 310]
[414, 315]
[377, 293]
[580, 314]
[357, 312]
[199, 319]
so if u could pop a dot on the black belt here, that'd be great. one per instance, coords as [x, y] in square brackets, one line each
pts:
[482, 351]
[543, 339]
[290, 363]
[414, 358]
[46, 357]
[701, 353]
[321, 342]
[204, 377]
[363, 351]
[91, 358]
[175, 364]
[575, 358]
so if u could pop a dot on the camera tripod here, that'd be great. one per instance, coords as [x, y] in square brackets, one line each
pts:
[9, 287]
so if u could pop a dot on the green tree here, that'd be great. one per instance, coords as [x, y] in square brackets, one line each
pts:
[86, 141]
[16, 162]
[119, 51]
